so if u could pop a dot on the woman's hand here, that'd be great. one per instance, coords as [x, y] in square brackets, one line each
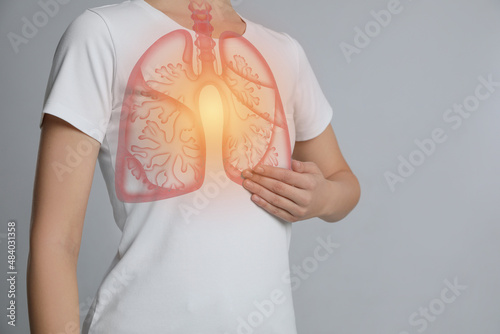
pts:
[292, 195]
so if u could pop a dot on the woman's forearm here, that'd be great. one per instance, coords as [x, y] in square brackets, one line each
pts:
[52, 289]
[343, 196]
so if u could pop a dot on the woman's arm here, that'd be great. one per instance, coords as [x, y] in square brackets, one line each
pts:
[320, 184]
[64, 173]
[342, 190]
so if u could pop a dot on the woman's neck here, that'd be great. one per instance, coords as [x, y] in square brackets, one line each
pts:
[224, 17]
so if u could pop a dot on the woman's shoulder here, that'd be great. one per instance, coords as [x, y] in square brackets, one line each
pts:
[279, 40]
[94, 18]
[97, 24]
[269, 32]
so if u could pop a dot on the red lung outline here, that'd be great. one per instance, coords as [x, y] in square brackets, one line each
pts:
[264, 141]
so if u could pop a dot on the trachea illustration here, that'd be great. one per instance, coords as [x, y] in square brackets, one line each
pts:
[161, 151]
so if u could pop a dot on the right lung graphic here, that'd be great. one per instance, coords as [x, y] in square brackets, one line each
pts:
[161, 150]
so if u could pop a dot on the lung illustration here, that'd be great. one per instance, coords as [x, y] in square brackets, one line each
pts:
[161, 149]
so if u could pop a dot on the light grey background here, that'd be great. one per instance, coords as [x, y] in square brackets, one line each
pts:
[397, 248]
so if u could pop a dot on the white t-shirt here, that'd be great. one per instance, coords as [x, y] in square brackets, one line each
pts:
[196, 254]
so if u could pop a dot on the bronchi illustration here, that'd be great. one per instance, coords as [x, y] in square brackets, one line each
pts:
[161, 150]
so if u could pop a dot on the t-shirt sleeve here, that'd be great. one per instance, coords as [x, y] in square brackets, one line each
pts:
[79, 85]
[312, 111]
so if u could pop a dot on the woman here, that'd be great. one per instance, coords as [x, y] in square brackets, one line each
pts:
[194, 114]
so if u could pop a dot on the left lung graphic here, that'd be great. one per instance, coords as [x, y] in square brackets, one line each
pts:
[161, 151]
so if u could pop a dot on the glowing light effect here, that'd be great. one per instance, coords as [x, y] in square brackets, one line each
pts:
[212, 118]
